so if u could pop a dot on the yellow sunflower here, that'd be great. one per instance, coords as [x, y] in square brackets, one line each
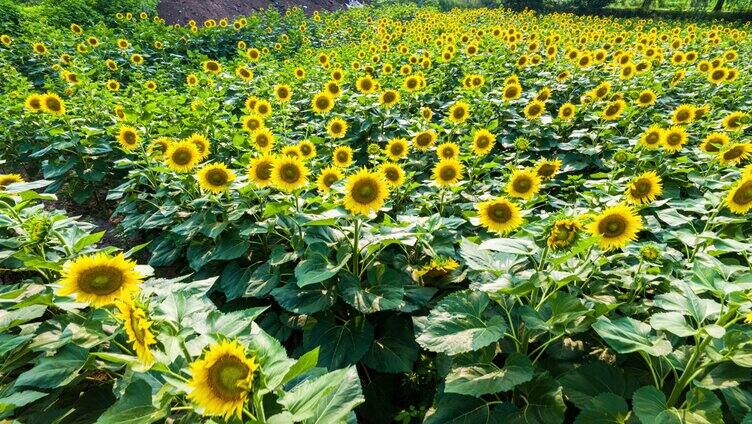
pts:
[138, 329]
[735, 121]
[99, 279]
[365, 192]
[512, 92]
[260, 170]
[547, 168]
[713, 142]
[307, 149]
[424, 139]
[448, 150]
[567, 111]
[327, 178]
[159, 146]
[652, 137]
[614, 110]
[397, 148]
[483, 142]
[6, 179]
[534, 110]
[212, 66]
[52, 103]
[646, 98]
[263, 139]
[253, 122]
[459, 112]
[524, 184]
[342, 156]
[393, 174]
[734, 154]
[221, 381]
[675, 138]
[617, 226]
[336, 128]
[389, 98]
[283, 92]
[289, 174]
[182, 156]
[447, 172]
[128, 138]
[262, 107]
[683, 114]
[644, 188]
[739, 197]
[215, 177]
[499, 215]
[322, 103]
[564, 233]
[202, 144]
[33, 103]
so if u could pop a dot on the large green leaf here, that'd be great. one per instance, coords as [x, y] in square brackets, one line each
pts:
[626, 335]
[305, 300]
[54, 371]
[340, 344]
[461, 322]
[381, 291]
[649, 404]
[584, 383]
[393, 349]
[324, 399]
[544, 402]
[459, 409]
[317, 268]
[606, 408]
[487, 378]
[339, 404]
[134, 407]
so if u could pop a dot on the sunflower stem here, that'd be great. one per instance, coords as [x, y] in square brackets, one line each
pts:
[356, 251]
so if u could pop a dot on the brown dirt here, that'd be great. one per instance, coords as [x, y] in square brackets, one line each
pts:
[181, 11]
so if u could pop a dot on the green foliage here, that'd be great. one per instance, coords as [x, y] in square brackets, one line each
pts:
[10, 17]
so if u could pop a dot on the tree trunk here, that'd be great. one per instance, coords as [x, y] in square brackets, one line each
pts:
[719, 6]
[646, 4]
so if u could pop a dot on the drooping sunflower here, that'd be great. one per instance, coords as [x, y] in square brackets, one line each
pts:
[307, 149]
[614, 110]
[182, 156]
[365, 192]
[244, 73]
[547, 168]
[646, 98]
[447, 172]
[100, 279]
[336, 128]
[734, 154]
[683, 114]
[735, 121]
[215, 177]
[33, 103]
[6, 179]
[644, 188]
[322, 103]
[499, 215]
[739, 197]
[567, 111]
[263, 139]
[221, 379]
[289, 174]
[459, 112]
[523, 184]
[713, 142]
[438, 267]
[283, 92]
[564, 233]
[159, 146]
[138, 329]
[483, 142]
[52, 103]
[617, 226]
[448, 150]
[534, 110]
[675, 138]
[397, 148]
[327, 178]
[260, 170]
[424, 139]
[393, 174]
[128, 138]
[652, 137]
[342, 156]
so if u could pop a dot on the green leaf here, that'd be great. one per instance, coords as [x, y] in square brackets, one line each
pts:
[584, 383]
[340, 403]
[54, 371]
[341, 345]
[393, 349]
[88, 240]
[14, 317]
[316, 269]
[461, 322]
[18, 399]
[459, 409]
[306, 361]
[673, 322]
[324, 399]
[544, 402]
[134, 407]
[649, 404]
[510, 245]
[626, 335]
[487, 378]
[606, 408]
[702, 407]
[271, 356]
[380, 291]
[308, 300]
[230, 247]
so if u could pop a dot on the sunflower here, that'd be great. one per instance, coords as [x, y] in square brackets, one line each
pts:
[33, 103]
[262, 107]
[336, 128]
[39, 48]
[426, 113]
[263, 139]
[717, 75]
[564, 233]
[182, 156]
[734, 154]
[735, 121]
[6, 179]
[459, 112]
[644, 188]
[683, 114]
[307, 149]
[483, 142]
[438, 267]
[322, 103]
[366, 84]
[547, 168]
[99, 279]
[447, 172]
[389, 98]
[512, 92]
[397, 148]
[113, 85]
[244, 73]
[289, 174]
[567, 111]
[365, 192]
[52, 103]
[138, 329]
[6, 40]
[291, 151]
[652, 137]
[137, 59]
[253, 122]
[342, 156]
[260, 170]
[202, 144]
[393, 174]
[283, 92]
[215, 177]
[424, 139]
[602, 90]
[128, 138]
[499, 215]
[327, 178]
[617, 226]
[159, 146]
[739, 197]
[212, 66]
[646, 98]
[674, 139]
[534, 109]
[332, 88]
[713, 142]
[448, 150]
[523, 184]
[614, 110]
[221, 380]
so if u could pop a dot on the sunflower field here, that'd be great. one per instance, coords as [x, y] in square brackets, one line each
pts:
[383, 214]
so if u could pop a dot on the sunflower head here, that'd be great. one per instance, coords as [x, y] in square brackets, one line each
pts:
[342, 156]
[327, 178]
[644, 188]
[617, 226]
[448, 150]
[212, 66]
[523, 184]
[713, 142]
[534, 109]
[567, 111]
[307, 149]
[262, 107]
[201, 142]
[6, 179]
[547, 168]
[159, 146]
[99, 279]
[288, 174]
[322, 103]
[260, 170]
[283, 92]
[215, 177]
[734, 154]
[263, 139]
[424, 139]
[483, 142]
[52, 103]
[675, 138]
[646, 98]
[735, 121]
[614, 110]
[34, 103]
[182, 156]
[365, 192]
[365, 84]
[447, 172]
[499, 215]
[253, 122]
[393, 174]
[221, 380]
[652, 138]
[137, 328]
[683, 114]
[337, 128]
[397, 148]
[459, 112]
[739, 198]
[389, 98]
[128, 138]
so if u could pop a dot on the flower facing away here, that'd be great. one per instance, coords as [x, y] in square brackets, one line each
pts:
[138, 329]
[99, 279]
[564, 233]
